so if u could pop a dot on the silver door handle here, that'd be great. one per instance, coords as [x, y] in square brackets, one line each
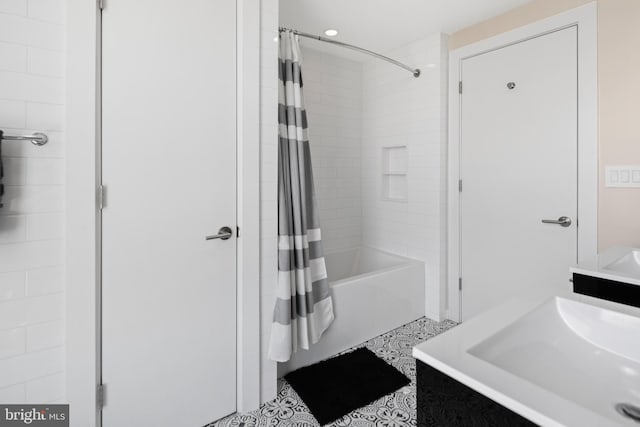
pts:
[224, 233]
[564, 221]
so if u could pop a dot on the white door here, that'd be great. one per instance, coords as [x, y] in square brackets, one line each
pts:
[518, 165]
[168, 159]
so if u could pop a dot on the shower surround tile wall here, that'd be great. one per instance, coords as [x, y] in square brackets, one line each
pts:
[333, 96]
[268, 189]
[400, 110]
[31, 223]
[354, 111]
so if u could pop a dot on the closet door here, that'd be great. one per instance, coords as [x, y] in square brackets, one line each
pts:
[169, 172]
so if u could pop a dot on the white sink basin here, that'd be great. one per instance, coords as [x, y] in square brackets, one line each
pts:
[559, 363]
[628, 264]
[583, 353]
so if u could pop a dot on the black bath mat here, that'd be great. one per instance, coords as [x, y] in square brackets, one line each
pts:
[337, 386]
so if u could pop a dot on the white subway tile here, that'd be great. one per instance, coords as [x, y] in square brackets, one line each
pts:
[13, 114]
[45, 226]
[268, 187]
[12, 342]
[14, 394]
[28, 255]
[30, 32]
[31, 366]
[45, 116]
[332, 93]
[400, 111]
[47, 10]
[13, 314]
[12, 285]
[45, 62]
[269, 248]
[269, 210]
[13, 57]
[47, 389]
[29, 311]
[13, 228]
[45, 335]
[44, 281]
[27, 87]
[32, 199]
[269, 170]
[14, 7]
[45, 172]
[31, 92]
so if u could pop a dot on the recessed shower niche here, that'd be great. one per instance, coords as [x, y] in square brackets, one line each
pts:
[394, 173]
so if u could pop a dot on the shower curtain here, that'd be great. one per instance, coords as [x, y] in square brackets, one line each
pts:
[303, 308]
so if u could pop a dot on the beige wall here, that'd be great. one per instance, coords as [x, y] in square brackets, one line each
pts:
[530, 12]
[619, 99]
[619, 92]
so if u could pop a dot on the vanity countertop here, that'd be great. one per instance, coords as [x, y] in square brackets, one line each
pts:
[510, 354]
[604, 265]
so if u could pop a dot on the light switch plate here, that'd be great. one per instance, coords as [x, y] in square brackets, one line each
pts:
[622, 176]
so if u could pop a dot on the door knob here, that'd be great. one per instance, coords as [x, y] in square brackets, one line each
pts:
[224, 233]
[564, 221]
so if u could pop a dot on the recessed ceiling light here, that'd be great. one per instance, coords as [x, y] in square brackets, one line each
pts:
[331, 33]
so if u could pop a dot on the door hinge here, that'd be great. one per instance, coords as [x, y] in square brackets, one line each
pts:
[460, 185]
[459, 283]
[100, 396]
[237, 232]
[460, 87]
[100, 197]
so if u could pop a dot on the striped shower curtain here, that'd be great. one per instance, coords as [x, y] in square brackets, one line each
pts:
[303, 309]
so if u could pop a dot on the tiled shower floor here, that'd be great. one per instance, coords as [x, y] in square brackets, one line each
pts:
[394, 410]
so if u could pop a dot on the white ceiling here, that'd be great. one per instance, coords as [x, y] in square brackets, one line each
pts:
[381, 25]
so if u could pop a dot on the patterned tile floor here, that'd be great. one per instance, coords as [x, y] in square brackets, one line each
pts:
[394, 410]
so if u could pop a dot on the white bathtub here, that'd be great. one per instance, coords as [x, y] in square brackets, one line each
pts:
[373, 292]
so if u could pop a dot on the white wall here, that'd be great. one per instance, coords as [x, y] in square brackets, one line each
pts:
[333, 97]
[399, 109]
[268, 189]
[32, 220]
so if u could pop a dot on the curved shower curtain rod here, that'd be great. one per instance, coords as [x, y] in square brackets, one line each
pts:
[414, 71]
